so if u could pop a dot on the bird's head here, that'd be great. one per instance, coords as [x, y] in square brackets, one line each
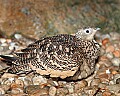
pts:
[86, 33]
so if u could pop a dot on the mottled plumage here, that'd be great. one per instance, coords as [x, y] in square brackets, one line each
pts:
[64, 56]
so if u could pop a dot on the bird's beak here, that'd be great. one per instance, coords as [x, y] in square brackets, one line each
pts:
[97, 29]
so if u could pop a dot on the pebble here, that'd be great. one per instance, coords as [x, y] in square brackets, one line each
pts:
[110, 48]
[2, 40]
[70, 88]
[52, 91]
[105, 41]
[79, 85]
[16, 91]
[62, 83]
[91, 90]
[95, 81]
[118, 81]
[117, 78]
[116, 61]
[52, 83]
[109, 55]
[106, 93]
[114, 35]
[114, 88]
[18, 36]
[36, 90]
[62, 91]
[37, 80]
[2, 91]
[116, 53]
[74, 94]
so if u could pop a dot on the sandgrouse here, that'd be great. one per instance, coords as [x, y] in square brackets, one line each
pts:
[65, 56]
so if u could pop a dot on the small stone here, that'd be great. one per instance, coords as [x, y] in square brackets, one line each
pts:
[16, 91]
[102, 52]
[105, 41]
[51, 82]
[62, 83]
[95, 82]
[110, 48]
[2, 40]
[116, 61]
[106, 93]
[114, 35]
[109, 55]
[2, 91]
[91, 90]
[102, 85]
[18, 36]
[79, 85]
[62, 91]
[20, 83]
[116, 53]
[74, 94]
[70, 88]
[115, 88]
[52, 91]
[105, 36]
[27, 80]
[5, 87]
[37, 80]
[117, 78]
[36, 90]
[118, 81]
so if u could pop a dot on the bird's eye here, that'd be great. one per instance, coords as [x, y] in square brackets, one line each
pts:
[87, 31]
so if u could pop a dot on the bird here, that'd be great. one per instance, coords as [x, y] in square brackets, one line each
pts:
[64, 56]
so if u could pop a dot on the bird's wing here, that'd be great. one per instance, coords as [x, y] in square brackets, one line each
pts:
[57, 56]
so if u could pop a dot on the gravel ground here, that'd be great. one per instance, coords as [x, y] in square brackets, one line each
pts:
[104, 82]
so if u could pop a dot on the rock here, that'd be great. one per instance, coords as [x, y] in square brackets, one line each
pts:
[36, 90]
[37, 80]
[62, 83]
[105, 41]
[117, 78]
[115, 35]
[116, 61]
[106, 93]
[114, 88]
[95, 82]
[79, 85]
[16, 91]
[109, 55]
[91, 90]
[26, 80]
[62, 91]
[116, 53]
[70, 88]
[18, 36]
[102, 85]
[52, 91]
[2, 91]
[110, 48]
[118, 81]
[52, 83]
[74, 94]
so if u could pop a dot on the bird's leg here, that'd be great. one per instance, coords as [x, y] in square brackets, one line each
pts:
[74, 77]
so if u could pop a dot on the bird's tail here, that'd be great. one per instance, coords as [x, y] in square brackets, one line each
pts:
[15, 65]
[8, 59]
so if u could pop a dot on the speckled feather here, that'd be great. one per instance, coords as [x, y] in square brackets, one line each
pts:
[64, 56]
